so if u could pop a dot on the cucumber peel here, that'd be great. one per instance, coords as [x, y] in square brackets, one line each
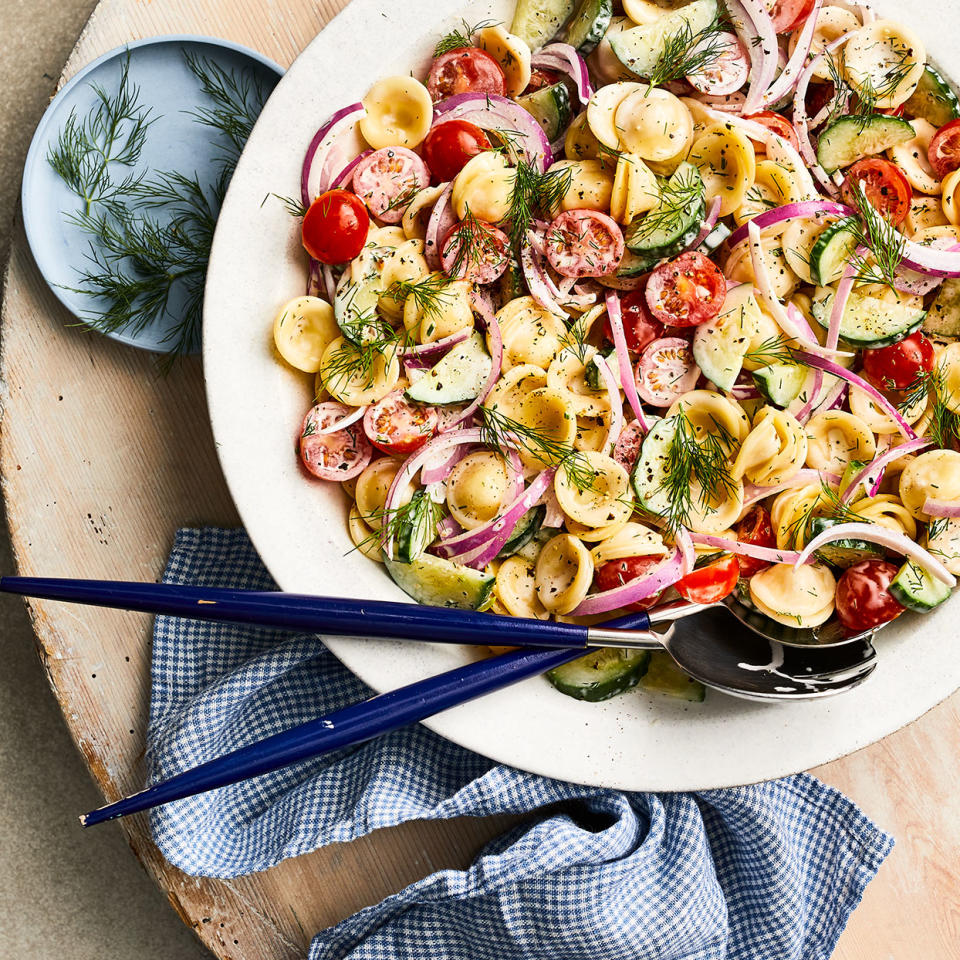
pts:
[437, 582]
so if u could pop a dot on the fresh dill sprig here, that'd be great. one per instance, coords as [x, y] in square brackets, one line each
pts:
[693, 460]
[474, 243]
[677, 195]
[429, 294]
[772, 350]
[353, 362]
[944, 428]
[835, 507]
[389, 524]
[293, 205]
[114, 132]
[755, 195]
[688, 51]
[403, 198]
[503, 434]
[575, 338]
[884, 244]
[533, 193]
[457, 39]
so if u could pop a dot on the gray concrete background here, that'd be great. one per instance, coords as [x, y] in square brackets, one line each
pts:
[64, 894]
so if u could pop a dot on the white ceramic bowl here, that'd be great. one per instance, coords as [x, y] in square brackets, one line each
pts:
[635, 741]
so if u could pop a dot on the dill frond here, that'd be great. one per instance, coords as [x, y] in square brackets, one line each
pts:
[688, 51]
[457, 39]
[885, 245]
[429, 294]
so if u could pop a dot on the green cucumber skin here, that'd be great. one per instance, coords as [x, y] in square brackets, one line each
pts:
[825, 251]
[665, 677]
[592, 374]
[415, 535]
[772, 381]
[525, 531]
[441, 583]
[943, 317]
[456, 377]
[820, 311]
[649, 470]
[661, 244]
[537, 21]
[933, 100]
[588, 25]
[851, 138]
[601, 674]
[842, 553]
[550, 107]
[916, 590]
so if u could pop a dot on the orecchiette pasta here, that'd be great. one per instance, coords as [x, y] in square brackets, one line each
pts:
[406, 263]
[773, 451]
[591, 183]
[653, 124]
[478, 488]
[881, 50]
[635, 189]
[302, 331]
[516, 589]
[801, 597]
[484, 187]
[911, 158]
[364, 537]
[415, 217]
[604, 502]
[531, 334]
[832, 23]
[372, 487]
[443, 318]
[710, 412]
[886, 510]
[580, 143]
[632, 540]
[399, 113]
[548, 413]
[349, 383]
[511, 52]
[835, 438]
[739, 266]
[878, 420]
[934, 474]
[773, 186]
[513, 386]
[564, 572]
[727, 163]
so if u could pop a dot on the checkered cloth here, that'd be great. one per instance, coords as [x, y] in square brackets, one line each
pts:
[766, 872]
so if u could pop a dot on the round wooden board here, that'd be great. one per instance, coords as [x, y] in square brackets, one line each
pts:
[102, 460]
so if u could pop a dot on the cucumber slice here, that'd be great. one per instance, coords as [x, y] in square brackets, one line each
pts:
[601, 674]
[550, 107]
[842, 553]
[536, 22]
[442, 583]
[588, 25]
[594, 378]
[658, 235]
[458, 376]
[528, 527]
[639, 48]
[933, 100]
[664, 676]
[848, 139]
[943, 317]
[831, 252]
[419, 530]
[720, 344]
[633, 265]
[780, 383]
[713, 240]
[915, 589]
[355, 308]
[850, 471]
[650, 469]
[868, 321]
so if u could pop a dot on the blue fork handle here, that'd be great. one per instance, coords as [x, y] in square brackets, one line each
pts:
[305, 613]
[343, 728]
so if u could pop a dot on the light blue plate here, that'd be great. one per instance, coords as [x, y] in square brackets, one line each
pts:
[175, 141]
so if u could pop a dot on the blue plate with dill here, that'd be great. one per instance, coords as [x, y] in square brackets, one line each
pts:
[125, 177]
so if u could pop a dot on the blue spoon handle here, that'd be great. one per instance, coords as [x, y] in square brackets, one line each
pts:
[343, 728]
[304, 613]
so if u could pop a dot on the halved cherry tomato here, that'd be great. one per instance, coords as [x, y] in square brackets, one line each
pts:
[640, 327]
[335, 227]
[467, 70]
[666, 371]
[397, 426]
[786, 14]
[541, 77]
[888, 190]
[755, 528]
[863, 598]
[480, 254]
[335, 456]
[387, 180]
[449, 145]
[687, 291]
[897, 367]
[726, 67]
[711, 582]
[615, 573]
[818, 96]
[944, 150]
[584, 243]
[776, 123]
[627, 447]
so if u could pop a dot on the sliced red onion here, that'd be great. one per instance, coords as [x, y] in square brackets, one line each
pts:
[492, 112]
[667, 574]
[315, 285]
[753, 493]
[844, 289]
[760, 39]
[344, 422]
[790, 211]
[730, 103]
[770, 554]
[343, 178]
[554, 515]
[871, 475]
[812, 386]
[538, 281]
[329, 282]
[744, 391]
[928, 260]
[564, 58]
[476, 548]
[437, 470]
[312, 182]
[731, 54]
[627, 381]
[616, 407]
[835, 398]
[432, 352]
[891, 539]
[613, 282]
[688, 553]
[941, 508]
[713, 213]
[441, 220]
[790, 75]
[448, 527]
[834, 369]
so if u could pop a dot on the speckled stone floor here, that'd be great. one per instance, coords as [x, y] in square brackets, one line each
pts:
[64, 894]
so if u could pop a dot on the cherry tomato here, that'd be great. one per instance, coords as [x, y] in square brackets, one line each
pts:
[467, 70]
[639, 326]
[786, 14]
[485, 256]
[627, 447]
[863, 600]
[615, 573]
[711, 582]
[332, 456]
[776, 123]
[755, 528]
[666, 371]
[818, 96]
[944, 150]
[897, 367]
[584, 243]
[888, 190]
[449, 145]
[687, 291]
[387, 180]
[726, 69]
[335, 227]
[397, 426]
[541, 77]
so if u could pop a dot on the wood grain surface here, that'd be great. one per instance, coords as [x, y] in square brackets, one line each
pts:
[101, 461]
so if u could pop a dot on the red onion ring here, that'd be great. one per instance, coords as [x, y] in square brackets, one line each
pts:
[441, 219]
[668, 573]
[320, 148]
[627, 381]
[769, 554]
[873, 472]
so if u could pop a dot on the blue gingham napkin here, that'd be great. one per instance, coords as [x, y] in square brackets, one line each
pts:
[771, 871]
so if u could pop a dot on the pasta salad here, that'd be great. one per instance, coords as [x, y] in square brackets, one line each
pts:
[614, 306]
